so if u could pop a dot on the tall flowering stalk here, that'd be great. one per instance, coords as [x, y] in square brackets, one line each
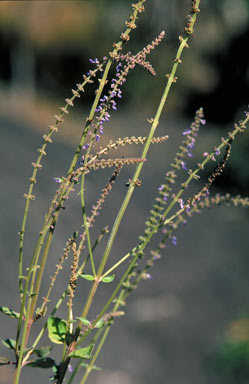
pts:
[81, 338]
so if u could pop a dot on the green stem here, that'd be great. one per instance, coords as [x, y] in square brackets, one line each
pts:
[86, 225]
[115, 266]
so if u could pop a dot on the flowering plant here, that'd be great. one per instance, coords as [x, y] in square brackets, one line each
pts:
[80, 337]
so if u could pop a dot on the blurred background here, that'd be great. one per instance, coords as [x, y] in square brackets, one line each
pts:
[189, 324]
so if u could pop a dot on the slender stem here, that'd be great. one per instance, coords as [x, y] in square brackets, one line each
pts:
[115, 265]
[86, 224]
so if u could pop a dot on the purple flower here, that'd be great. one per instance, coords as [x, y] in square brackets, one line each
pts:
[85, 146]
[103, 99]
[174, 240]
[118, 67]
[114, 105]
[186, 132]
[147, 276]
[165, 197]
[70, 368]
[190, 154]
[217, 152]
[205, 154]
[184, 166]
[97, 138]
[94, 61]
[192, 144]
[161, 187]
[203, 121]
[180, 201]
[58, 179]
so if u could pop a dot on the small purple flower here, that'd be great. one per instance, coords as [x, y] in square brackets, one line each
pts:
[190, 154]
[217, 152]
[97, 138]
[114, 105]
[184, 166]
[103, 99]
[157, 256]
[94, 61]
[191, 144]
[147, 276]
[70, 368]
[161, 187]
[203, 121]
[118, 67]
[85, 146]
[205, 154]
[58, 180]
[180, 201]
[165, 197]
[186, 132]
[174, 240]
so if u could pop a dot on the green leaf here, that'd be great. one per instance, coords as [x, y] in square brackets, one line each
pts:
[57, 329]
[43, 351]
[56, 370]
[4, 361]
[84, 321]
[88, 277]
[82, 353]
[108, 279]
[94, 368]
[9, 312]
[99, 324]
[47, 362]
[9, 343]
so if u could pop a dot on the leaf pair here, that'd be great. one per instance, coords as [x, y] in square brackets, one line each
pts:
[106, 279]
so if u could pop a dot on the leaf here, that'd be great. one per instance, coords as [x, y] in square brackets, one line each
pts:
[82, 353]
[84, 321]
[99, 324]
[9, 312]
[108, 279]
[94, 368]
[88, 277]
[57, 329]
[47, 362]
[43, 351]
[9, 343]
[56, 370]
[4, 361]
